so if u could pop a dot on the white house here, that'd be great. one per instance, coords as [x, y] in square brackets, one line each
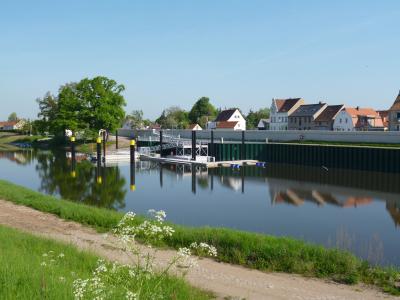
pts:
[281, 109]
[12, 125]
[358, 119]
[263, 124]
[195, 127]
[228, 119]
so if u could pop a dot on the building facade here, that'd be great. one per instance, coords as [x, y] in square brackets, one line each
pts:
[394, 115]
[304, 116]
[228, 119]
[326, 119]
[280, 111]
[358, 119]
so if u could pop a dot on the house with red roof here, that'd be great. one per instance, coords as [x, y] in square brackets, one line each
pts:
[12, 125]
[358, 119]
[280, 111]
[229, 119]
[327, 117]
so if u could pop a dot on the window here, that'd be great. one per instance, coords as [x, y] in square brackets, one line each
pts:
[340, 120]
[346, 120]
[398, 117]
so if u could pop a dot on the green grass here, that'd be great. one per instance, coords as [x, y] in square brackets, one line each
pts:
[252, 250]
[338, 143]
[23, 277]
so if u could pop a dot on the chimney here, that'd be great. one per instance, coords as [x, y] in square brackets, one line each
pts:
[358, 108]
[319, 102]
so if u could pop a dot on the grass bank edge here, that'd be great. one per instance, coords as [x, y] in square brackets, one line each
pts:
[23, 251]
[257, 251]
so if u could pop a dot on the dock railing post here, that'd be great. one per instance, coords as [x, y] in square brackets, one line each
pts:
[194, 145]
[161, 142]
[116, 139]
[243, 153]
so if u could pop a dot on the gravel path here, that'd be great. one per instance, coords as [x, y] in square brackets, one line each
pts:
[224, 280]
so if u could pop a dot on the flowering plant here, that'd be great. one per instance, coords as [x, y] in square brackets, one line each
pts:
[143, 277]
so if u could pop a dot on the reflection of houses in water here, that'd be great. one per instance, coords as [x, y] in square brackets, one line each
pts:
[234, 183]
[18, 157]
[393, 208]
[296, 193]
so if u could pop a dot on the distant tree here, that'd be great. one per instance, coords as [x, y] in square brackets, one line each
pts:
[253, 117]
[174, 117]
[86, 106]
[202, 111]
[13, 117]
[135, 119]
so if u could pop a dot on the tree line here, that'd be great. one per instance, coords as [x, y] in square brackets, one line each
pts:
[92, 104]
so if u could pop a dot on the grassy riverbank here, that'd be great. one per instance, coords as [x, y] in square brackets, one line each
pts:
[256, 251]
[23, 274]
[8, 138]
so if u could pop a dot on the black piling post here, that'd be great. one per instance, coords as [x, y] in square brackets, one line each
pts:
[104, 146]
[98, 142]
[116, 139]
[193, 179]
[212, 152]
[194, 145]
[242, 175]
[243, 152]
[161, 143]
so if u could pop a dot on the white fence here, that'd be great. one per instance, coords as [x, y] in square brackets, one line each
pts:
[277, 136]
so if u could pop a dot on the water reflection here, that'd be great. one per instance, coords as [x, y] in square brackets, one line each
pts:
[353, 210]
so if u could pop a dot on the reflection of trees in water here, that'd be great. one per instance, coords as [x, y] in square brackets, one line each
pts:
[55, 173]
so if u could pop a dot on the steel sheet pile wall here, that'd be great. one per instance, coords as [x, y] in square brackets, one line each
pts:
[343, 157]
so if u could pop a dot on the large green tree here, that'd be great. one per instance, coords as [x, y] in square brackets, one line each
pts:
[202, 111]
[253, 117]
[85, 107]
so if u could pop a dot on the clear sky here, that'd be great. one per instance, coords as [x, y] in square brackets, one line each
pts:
[238, 53]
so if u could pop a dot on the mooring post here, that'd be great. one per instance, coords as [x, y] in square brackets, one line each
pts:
[116, 139]
[104, 146]
[73, 158]
[161, 176]
[161, 142]
[98, 141]
[242, 175]
[212, 143]
[212, 180]
[243, 153]
[193, 144]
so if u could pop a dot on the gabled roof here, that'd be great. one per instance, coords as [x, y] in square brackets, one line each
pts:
[192, 126]
[306, 110]
[396, 104]
[284, 105]
[329, 113]
[263, 122]
[225, 115]
[227, 124]
[9, 123]
[357, 114]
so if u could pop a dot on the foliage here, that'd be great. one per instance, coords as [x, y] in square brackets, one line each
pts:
[135, 119]
[142, 277]
[86, 106]
[38, 268]
[202, 112]
[174, 117]
[13, 117]
[253, 117]
[253, 250]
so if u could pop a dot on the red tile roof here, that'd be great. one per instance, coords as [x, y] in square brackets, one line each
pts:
[226, 124]
[284, 105]
[357, 114]
[8, 123]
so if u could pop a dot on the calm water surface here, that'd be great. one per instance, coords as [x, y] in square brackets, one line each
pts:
[357, 211]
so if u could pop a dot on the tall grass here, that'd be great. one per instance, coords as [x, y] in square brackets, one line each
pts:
[252, 250]
[23, 277]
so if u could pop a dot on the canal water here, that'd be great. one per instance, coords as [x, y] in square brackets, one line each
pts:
[352, 210]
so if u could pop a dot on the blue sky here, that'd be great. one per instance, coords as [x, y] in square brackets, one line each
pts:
[238, 53]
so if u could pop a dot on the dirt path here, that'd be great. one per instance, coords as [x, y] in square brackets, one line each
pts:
[223, 279]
